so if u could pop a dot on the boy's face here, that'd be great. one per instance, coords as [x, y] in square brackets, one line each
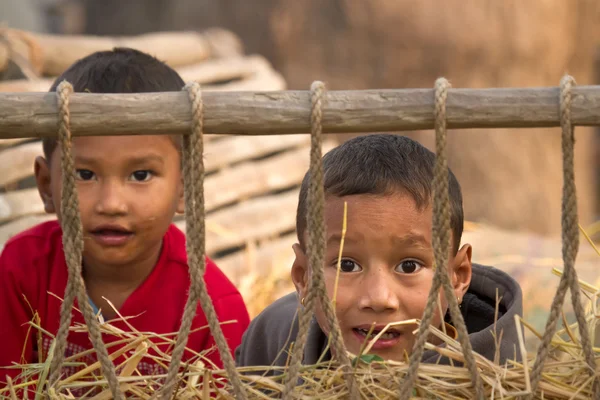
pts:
[129, 189]
[386, 269]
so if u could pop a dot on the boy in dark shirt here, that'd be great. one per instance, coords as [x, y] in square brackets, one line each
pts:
[387, 262]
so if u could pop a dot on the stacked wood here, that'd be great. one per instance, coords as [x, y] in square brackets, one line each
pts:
[50, 55]
[213, 58]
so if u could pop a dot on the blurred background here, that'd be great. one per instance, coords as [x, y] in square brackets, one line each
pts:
[511, 178]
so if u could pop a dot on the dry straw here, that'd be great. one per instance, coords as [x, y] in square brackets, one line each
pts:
[564, 373]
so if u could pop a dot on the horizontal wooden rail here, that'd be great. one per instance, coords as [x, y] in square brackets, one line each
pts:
[287, 112]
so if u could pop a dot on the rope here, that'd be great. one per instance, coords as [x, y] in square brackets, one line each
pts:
[316, 253]
[193, 170]
[441, 246]
[73, 249]
[570, 246]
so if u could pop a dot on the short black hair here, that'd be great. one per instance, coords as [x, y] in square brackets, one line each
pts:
[381, 164]
[121, 70]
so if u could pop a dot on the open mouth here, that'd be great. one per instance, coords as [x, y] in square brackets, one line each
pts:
[111, 235]
[110, 232]
[388, 335]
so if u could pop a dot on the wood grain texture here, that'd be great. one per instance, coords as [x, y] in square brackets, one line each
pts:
[257, 219]
[285, 112]
[254, 178]
[233, 149]
[175, 48]
[260, 260]
[16, 162]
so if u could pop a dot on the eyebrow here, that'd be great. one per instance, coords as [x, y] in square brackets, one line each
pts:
[337, 238]
[412, 240]
[407, 240]
[131, 161]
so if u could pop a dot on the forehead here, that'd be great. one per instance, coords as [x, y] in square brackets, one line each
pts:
[393, 214]
[120, 148]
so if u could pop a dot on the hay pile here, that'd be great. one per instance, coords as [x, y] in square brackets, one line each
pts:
[564, 372]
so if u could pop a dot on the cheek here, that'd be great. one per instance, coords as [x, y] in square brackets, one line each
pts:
[416, 295]
[345, 296]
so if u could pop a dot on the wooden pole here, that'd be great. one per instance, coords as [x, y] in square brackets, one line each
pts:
[287, 112]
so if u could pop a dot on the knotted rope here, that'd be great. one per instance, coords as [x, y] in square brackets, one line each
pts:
[73, 249]
[193, 171]
[570, 247]
[441, 246]
[317, 292]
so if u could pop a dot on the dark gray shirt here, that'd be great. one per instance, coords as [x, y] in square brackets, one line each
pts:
[268, 338]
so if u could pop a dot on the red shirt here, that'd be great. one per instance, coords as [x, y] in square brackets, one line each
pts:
[32, 265]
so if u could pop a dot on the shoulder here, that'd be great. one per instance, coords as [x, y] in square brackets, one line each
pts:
[490, 285]
[486, 280]
[272, 331]
[44, 231]
[34, 243]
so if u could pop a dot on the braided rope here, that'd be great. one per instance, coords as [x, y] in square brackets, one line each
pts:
[73, 249]
[441, 244]
[193, 170]
[317, 292]
[570, 247]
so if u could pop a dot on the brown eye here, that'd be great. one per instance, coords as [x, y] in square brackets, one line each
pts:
[141, 176]
[408, 267]
[349, 266]
[84, 174]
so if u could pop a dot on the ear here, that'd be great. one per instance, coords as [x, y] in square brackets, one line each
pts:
[41, 168]
[461, 271]
[181, 198]
[300, 271]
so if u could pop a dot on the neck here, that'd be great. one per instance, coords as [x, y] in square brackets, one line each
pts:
[120, 276]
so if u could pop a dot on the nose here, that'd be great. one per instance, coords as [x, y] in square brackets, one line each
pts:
[380, 293]
[110, 199]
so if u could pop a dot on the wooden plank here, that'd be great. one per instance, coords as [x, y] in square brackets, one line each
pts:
[250, 179]
[11, 142]
[233, 149]
[175, 48]
[20, 203]
[285, 112]
[16, 163]
[222, 69]
[259, 260]
[250, 221]
[26, 85]
[265, 80]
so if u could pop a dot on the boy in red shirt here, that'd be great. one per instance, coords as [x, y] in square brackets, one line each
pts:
[129, 189]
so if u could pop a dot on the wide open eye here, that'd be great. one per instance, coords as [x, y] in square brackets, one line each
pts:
[409, 267]
[347, 265]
